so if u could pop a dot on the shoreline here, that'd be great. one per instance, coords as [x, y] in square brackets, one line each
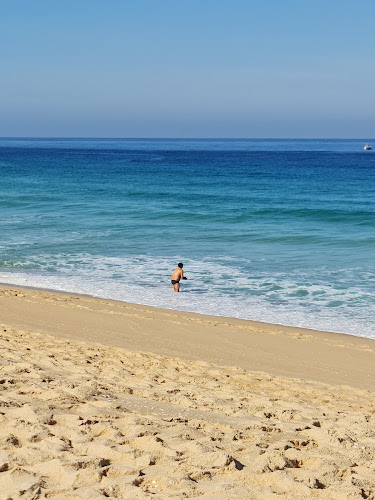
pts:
[265, 324]
[327, 357]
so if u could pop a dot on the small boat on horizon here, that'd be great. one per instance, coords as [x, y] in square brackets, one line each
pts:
[367, 147]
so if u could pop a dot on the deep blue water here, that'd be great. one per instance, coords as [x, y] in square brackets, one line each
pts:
[271, 230]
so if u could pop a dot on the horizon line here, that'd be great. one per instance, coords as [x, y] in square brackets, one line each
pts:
[194, 138]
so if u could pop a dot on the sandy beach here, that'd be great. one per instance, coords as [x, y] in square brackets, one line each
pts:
[104, 399]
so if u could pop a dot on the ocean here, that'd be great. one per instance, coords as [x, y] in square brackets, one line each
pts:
[281, 231]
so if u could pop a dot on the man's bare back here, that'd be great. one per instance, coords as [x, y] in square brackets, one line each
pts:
[177, 275]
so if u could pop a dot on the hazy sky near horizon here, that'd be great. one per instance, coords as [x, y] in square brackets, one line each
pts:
[199, 68]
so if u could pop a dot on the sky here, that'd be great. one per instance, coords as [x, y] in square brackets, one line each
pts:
[197, 68]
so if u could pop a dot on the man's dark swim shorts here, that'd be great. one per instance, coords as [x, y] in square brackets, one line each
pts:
[174, 282]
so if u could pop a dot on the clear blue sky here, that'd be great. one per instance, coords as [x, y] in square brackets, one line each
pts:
[194, 68]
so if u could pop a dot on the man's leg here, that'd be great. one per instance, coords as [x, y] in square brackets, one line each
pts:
[176, 287]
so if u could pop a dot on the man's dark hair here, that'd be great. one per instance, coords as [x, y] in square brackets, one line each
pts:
[180, 265]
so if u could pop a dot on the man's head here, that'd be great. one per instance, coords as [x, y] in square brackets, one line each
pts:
[180, 265]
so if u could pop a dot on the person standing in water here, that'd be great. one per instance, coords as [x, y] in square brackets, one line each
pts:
[178, 274]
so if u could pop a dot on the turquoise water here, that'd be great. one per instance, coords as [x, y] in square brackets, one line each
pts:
[272, 230]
